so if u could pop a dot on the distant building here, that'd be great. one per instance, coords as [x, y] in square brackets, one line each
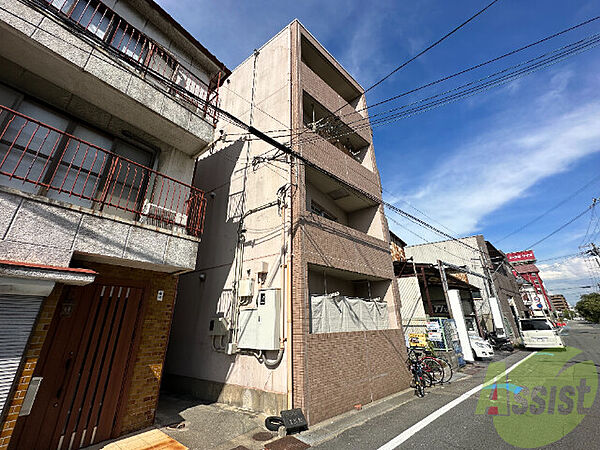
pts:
[499, 304]
[559, 302]
[533, 292]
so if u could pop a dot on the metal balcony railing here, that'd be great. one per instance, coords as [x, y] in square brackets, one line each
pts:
[100, 22]
[43, 160]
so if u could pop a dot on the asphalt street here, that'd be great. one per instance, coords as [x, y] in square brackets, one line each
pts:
[460, 427]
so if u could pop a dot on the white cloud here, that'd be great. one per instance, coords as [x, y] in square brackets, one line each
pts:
[497, 167]
[570, 269]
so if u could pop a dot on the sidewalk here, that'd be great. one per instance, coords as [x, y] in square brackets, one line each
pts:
[184, 422]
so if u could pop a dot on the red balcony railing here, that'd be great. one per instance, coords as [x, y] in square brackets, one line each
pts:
[44, 160]
[102, 23]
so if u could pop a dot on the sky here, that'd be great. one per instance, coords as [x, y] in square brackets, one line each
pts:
[487, 164]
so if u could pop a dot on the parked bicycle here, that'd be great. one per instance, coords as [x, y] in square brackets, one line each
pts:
[421, 378]
[439, 370]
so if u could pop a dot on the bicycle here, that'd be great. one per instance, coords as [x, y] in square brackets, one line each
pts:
[420, 377]
[438, 369]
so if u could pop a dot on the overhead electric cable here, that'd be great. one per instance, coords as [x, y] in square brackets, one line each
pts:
[422, 52]
[561, 227]
[553, 208]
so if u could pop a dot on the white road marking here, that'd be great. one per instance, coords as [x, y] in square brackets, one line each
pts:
[409, 432]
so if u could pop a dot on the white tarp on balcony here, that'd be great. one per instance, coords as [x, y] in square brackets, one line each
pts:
[337, 313]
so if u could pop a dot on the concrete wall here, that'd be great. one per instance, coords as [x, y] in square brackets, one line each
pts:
[228, 173]
[41, 231]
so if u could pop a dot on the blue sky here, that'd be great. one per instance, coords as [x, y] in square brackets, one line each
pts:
[487, 164]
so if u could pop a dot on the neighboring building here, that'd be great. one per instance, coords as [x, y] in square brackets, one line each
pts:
[103, 109]
[397, 248]
[471, 255]
[533, 292]
[559, 302]
[433, 294]
[293, 302]
[506, 283]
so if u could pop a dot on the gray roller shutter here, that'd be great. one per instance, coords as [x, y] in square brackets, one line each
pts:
[17, 316]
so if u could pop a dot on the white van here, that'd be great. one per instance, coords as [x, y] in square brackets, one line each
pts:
[539, 333]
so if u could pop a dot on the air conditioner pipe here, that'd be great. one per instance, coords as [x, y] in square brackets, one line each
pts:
[273, 363]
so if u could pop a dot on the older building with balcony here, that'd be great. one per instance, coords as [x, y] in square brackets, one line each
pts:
[104, 108]
[293, 303]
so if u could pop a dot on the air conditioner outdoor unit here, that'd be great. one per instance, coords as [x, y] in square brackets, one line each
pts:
[159, 216]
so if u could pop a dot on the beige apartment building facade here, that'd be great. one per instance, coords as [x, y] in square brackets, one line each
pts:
[292, 303]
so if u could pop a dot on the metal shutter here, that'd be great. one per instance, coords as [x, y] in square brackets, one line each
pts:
[17, 315]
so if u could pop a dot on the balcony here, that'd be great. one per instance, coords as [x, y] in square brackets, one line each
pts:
[84, 49]
[328, 70]
[98, 21]
[331, 100]
[41, 159]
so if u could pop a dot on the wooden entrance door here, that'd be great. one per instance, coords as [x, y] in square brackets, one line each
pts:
[83, 364]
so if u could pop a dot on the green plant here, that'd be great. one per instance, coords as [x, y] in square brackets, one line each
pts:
[589, 307]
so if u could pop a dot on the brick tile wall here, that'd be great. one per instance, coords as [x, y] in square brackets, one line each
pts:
[345, 369]
[328, 243]
[333, 372]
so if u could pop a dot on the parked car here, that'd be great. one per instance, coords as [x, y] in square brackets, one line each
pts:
[481, 347]
[539, 333]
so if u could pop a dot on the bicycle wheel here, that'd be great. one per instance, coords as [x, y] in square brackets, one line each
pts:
[429, 381]
[434, 369]
[447, 369]
[420, 387]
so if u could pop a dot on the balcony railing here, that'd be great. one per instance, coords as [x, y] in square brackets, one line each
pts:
[100, 22]
[43, 160]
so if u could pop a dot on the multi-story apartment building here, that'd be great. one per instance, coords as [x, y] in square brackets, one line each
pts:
[487, 269]
[293, 302]
[559, 302]
[104, 106]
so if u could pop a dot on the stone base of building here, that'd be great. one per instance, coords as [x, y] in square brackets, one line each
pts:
[271, 403]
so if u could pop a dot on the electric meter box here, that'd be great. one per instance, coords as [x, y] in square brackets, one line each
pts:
[246, 287]
[259, 328]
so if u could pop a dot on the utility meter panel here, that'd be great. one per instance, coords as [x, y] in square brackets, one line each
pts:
[259, 329]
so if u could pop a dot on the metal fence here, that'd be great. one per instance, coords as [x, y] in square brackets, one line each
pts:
[44, 160]
[95, 18]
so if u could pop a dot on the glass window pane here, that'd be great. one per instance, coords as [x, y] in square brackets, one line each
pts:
[25, 146]
[77, 176]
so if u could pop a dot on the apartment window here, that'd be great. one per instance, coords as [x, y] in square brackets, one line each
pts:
[319, 210]
[90, 14]
[130, 41]
[43, 159]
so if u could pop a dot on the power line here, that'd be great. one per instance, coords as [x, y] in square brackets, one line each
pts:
[572, 255]
[524, 68]
[562, 226]
[553, 208]
[461, 72]
[474, 87]
[422, 52]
